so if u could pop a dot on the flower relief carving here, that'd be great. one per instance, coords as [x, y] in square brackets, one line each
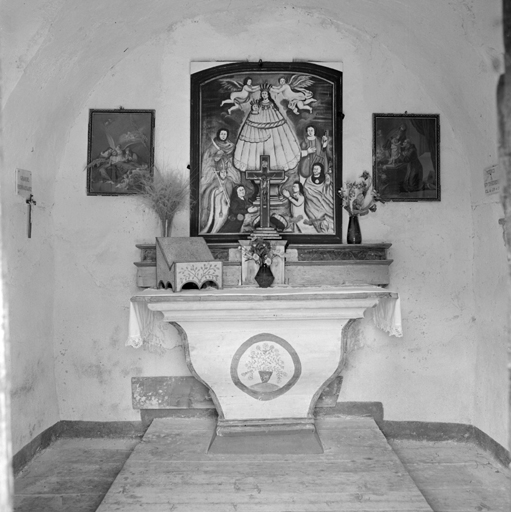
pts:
[199, 273]
[265, 360]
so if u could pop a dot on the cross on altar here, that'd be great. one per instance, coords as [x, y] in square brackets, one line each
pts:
[264, 175]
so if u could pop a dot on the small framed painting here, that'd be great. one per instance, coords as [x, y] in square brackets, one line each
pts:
[406, 155]
[266, 146]
[120, 150]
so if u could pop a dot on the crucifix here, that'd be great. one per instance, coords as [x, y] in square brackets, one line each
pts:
[264, 175]
[30, 201]
[24, 189]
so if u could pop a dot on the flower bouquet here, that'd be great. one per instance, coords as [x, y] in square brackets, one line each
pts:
[259, 250]
[358, 197]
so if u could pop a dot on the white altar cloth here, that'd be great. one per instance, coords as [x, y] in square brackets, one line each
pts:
[147, 328]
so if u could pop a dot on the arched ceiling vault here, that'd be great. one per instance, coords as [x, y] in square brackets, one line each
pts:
[76, 43]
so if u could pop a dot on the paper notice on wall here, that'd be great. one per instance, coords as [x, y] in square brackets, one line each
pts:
[492, 180]
[23, 183]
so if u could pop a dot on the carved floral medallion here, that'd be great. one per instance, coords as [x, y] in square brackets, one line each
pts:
[265, 367]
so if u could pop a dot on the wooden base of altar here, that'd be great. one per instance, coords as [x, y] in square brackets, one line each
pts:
[305, 265]
[300, 442]
[265, 354]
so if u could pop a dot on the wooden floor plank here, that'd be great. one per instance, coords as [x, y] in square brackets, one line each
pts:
[257, 468]
[96, 443]
[467, 499]
[68, 458]
[184, 484]
[340, 503]
[456, 477]
[452, 476]
[180, 495]
[65, 469]
[258, 507]
[440, 452]
[71, 475]
[56, 503]
[171, 470]
[62, 485]
[92, 455]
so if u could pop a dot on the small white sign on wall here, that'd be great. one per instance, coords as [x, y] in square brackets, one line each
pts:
[492, 180]
[23, 183]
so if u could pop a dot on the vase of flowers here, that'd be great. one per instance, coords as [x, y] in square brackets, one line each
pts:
[166, 193]
[353, 235]
[263, 253]
[358, 199]
[264, 277]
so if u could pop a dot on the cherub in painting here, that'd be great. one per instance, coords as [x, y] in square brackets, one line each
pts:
[241, 92]
[295, 92]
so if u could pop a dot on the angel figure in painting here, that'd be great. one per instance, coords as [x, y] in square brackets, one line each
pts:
[116, 166]
[241, 92]
[295, 92]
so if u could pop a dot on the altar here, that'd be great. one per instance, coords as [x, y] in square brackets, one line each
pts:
[266, 354]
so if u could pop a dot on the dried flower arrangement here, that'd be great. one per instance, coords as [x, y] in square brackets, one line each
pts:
[166, 193]
[359, 197]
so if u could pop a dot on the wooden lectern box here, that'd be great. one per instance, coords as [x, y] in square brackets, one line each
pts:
[180, 261]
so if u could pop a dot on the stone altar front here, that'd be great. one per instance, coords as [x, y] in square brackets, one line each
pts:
[266, 354]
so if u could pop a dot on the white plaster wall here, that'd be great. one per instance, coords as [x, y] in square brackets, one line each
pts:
[432, 57]
[28, 263]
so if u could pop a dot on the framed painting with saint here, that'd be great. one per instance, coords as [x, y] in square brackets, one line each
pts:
[266, 151]
[406, 149]
[120, 150]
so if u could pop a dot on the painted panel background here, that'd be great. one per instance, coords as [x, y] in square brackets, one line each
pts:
[288, 112]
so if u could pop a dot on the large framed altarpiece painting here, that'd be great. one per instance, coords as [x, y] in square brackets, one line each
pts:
[266, 151]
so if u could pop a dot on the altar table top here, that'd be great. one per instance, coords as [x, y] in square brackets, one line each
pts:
[146, 327]
[259, 294]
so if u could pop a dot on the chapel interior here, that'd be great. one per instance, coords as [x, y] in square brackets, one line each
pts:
[67, 287]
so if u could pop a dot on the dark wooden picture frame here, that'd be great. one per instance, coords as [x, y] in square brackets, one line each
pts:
[406, 156]
[120, 150]
[272, 133]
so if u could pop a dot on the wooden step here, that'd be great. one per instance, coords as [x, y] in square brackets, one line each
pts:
[171, 469]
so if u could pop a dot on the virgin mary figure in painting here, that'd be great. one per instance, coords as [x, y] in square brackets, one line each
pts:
[266, 132]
